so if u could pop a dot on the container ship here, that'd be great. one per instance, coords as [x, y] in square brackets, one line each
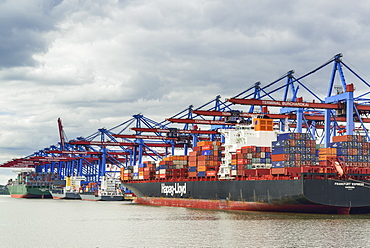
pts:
[258, 168]
[30, 184]
[108, 190]
[69, 188]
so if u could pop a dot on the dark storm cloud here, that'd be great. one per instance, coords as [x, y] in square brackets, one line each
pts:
[22, 28]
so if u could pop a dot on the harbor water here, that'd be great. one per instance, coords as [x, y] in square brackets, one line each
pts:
[76, 223]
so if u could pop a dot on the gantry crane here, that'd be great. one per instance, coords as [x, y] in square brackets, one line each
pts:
[337, 113]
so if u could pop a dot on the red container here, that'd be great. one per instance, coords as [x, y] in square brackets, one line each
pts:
[211, 173]
[207, 147]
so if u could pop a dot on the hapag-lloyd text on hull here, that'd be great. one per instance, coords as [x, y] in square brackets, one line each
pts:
[173, 189]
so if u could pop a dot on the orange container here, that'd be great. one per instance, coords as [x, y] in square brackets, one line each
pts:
[280, 157]
[192, 174]
[192, 163]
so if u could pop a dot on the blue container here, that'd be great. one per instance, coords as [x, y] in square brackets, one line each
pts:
[350, 158]
[356, 158]
[201, 174]
[268, 154]
[306, 136]
[136, 174]
[163, 166]
[280, 150]
[207, 152]
[285, 136]
[278, 164]
[193, 169]
[335, 145]
[280, 143]
[308, 157]
[360, 158]
[340, 151]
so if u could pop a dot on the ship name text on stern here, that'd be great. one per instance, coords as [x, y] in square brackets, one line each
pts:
[349, 186]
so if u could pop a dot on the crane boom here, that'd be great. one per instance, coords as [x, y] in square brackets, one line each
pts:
[285, 103]
[133, 136]
[294, 104]
[159, 130]
[193, 121]
[61, 133]
[274, 116]
[107, 143]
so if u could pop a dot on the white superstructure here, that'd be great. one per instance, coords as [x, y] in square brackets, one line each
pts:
[244, 135]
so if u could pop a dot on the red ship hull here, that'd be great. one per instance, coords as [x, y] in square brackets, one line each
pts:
[240, 206]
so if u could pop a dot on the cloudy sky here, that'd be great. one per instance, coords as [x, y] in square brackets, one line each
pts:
[96, 63]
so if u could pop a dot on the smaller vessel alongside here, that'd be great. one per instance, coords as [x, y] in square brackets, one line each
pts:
[67, 189]
[108, 190]
[30, 184]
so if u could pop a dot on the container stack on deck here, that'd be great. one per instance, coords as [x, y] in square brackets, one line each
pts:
[325, 154]
[250, 157]
[31, 178]
[205, 160]
[173, 167]
[293, 150]
[91, 187]
[126, 173]
[149, 171]
[352, 149]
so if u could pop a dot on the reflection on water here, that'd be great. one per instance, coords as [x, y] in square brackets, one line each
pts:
[63, 223]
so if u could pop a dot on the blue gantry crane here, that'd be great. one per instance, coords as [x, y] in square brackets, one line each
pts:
[106, 151]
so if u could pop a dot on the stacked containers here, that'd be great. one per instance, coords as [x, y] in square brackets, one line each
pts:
[165, 168]
[149, 170]
[250, 157]
[205, 159]
[126, 173]
[354, 149]
[36, 178]
[135, 172]
[141, 171]
[193, 159]
[180, 166]
[325, 154]
[173, 166]
[91, 187]
[293, 150]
